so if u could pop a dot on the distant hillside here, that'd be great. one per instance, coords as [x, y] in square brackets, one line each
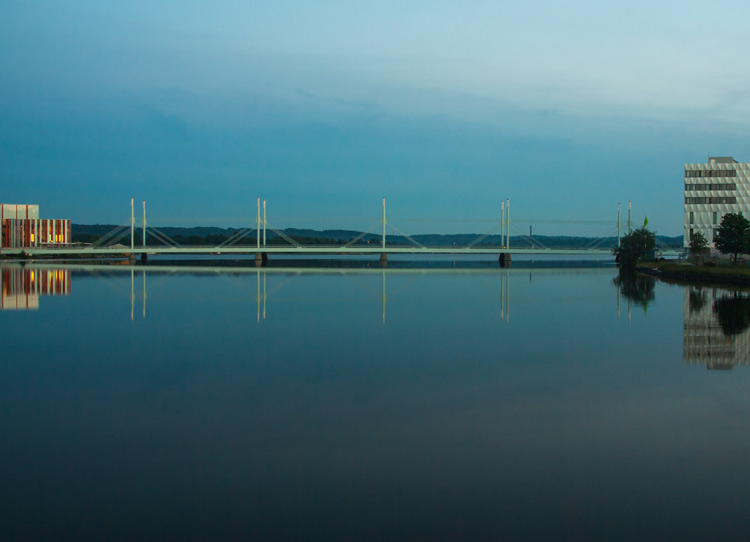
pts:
[211, 235]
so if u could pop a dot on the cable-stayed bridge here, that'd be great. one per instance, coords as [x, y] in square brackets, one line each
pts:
[253, 239]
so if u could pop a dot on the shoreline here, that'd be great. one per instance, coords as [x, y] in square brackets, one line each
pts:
[724, 274]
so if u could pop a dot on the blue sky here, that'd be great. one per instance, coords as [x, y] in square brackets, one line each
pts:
[323, 108]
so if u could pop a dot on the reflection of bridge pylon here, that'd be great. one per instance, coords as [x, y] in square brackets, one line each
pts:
[382, 295]
[261, 296]
[61, 284]
[132, 293]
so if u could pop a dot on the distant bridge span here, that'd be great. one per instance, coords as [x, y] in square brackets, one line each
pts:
[292, 250]
[109, 245]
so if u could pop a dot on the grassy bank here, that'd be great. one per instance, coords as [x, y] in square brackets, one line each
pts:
[708, 272]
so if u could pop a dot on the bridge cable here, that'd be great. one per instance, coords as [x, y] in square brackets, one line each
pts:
[107, 236]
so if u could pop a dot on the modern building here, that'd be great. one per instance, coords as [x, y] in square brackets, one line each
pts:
[20, 226]
[713, 189]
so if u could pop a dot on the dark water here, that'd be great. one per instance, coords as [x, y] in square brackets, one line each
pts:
[279, 404]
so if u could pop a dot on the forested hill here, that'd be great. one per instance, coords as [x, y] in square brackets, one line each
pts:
[211, 235]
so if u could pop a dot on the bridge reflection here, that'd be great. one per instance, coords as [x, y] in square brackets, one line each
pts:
[262, 274]
[54, 278]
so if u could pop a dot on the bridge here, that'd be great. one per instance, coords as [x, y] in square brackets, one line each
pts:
[253, 240]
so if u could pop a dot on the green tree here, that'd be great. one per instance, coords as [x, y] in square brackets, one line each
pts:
[733, 235]
[698, 243]
[635, 246]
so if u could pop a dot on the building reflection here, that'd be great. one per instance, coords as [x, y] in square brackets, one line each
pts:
[716, 328]
[22, 286]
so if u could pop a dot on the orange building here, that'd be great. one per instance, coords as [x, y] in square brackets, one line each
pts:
[20, 226]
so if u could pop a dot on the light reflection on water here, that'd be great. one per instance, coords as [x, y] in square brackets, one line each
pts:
[279, 403]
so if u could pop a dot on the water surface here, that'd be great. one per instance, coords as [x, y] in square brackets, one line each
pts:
[195, 402]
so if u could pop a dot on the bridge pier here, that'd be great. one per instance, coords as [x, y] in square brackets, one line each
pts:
[504, 259]
[144, 258]
[261, 259]
[383, 259]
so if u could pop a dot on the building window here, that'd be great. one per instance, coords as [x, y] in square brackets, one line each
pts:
[716, 217]
[692, 218]
[714, 186]
[703, 173]
[703, 200]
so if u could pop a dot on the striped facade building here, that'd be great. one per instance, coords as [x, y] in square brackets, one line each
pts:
[713, 189]
[20, 226]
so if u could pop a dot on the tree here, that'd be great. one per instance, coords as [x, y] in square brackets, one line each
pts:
[698, 243]
[733, 235]
[635, 246]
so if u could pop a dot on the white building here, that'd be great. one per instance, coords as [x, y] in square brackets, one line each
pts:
[712, 190]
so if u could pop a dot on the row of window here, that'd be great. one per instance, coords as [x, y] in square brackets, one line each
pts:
[719, 186]
[715, 217]
[711, 173]
[729, 199]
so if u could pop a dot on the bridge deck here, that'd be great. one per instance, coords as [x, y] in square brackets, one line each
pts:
[287, 250]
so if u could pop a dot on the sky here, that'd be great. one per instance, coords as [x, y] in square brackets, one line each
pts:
[324, 108]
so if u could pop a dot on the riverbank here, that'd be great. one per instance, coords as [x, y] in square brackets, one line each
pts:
[709, 272]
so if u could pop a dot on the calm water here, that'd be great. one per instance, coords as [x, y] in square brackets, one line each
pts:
[331, 403]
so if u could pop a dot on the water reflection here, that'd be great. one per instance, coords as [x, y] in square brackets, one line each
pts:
[262, 273]
[635, 287]
[716, 321]
[138, 283]
[716, 328]
[22, 286]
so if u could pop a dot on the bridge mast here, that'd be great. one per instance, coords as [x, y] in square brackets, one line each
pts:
[383, 239]
[132, 225]
[630, 208]
[502, 224]
[507, 223]
[144, 224]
